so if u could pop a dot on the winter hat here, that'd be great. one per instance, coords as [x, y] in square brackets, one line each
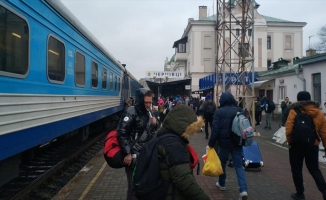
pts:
[303, 96]
[208, 96]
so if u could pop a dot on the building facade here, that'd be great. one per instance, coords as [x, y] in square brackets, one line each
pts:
[195, 52]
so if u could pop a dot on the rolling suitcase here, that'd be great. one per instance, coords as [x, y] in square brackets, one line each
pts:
[252, 158]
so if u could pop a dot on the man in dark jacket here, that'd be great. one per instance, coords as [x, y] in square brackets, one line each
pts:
[208, 108]
[285, 109]
[137, 125]
[223, 118]
[265, 103]
[175, 169]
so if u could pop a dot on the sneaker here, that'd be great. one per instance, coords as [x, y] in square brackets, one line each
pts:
[201, 129]
[220, 187]
[243, 196]
[265, 127]
[297, 196]
[270, 128]
[230, 164]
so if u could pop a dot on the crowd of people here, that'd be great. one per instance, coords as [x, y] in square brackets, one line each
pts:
[183, 116]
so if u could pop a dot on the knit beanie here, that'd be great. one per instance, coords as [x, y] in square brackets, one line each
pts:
[208, 96]
[303, 96]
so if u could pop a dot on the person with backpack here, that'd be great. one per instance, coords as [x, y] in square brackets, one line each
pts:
[181, 123]
[221, 131]
[305, 126]
[137, 125]
[208, 108]
[268, 106]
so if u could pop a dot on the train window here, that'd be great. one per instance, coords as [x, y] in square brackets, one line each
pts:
[115, 83]
[94, 74]
[111, 81]
[80, 69]
[56, 60]
[104, 77]
[14, 44]
[119, 84]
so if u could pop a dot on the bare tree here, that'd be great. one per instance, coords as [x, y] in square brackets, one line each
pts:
[320, 46]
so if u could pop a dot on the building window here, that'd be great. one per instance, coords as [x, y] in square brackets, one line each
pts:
[104, 77]
[56, 60]
[80, 69]
[14, 44]
[269, 63]
[94, 75]
[111, 81]
[316, 84]
[288, 42]
[181, 48]
[282, 92]
[269, 42]
[249, 32]
[237, 32]
[245, 50]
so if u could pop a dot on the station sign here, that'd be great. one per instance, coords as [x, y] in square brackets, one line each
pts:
[164, 74]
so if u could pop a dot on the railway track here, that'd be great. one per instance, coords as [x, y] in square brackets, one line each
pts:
[43, 176]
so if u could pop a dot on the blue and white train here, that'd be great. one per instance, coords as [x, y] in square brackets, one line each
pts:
[55, 77]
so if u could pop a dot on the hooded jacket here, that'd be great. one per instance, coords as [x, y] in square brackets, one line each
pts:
[312, 109]
[223, 118]
[175, 169]
[135, 121]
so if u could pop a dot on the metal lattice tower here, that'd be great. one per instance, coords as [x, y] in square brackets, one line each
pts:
[235, 49]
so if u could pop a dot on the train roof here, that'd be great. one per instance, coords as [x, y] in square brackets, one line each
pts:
[67, 14]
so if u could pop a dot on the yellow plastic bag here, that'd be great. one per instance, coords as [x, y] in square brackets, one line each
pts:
[212, 166]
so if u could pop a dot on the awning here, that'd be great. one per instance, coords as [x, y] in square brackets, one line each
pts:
[257, 84]
[182, 40]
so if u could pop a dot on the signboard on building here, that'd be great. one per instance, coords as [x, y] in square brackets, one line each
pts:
[188, 87]
[164, 74]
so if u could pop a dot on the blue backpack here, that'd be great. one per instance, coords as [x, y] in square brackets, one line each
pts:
[241, 132]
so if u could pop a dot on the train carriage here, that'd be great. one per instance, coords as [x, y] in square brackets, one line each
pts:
[55, 77]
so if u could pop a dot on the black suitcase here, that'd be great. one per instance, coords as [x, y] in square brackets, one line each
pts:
[252, 158]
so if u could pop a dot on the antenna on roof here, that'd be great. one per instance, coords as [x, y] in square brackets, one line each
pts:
[213, 7]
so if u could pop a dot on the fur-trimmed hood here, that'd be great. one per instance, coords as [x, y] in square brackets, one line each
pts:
[182, 121]
[311, 107]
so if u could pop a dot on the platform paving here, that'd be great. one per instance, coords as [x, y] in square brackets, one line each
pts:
[98, 181]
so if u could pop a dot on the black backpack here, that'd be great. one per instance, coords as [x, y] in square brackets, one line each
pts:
[271, 106]
[146, 177]
[210, 108]
[303, 129]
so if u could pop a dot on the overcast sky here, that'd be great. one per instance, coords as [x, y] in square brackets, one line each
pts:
[140, 33]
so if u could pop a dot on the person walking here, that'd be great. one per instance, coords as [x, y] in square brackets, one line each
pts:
[137, 125]
[285, 109]
[208, 108]
[266, 108]
[223, 119]
[257, 111]
[309, 152]
[175, 167]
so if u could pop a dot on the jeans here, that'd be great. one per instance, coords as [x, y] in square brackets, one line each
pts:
[257, 117]
[310, 154]
[237, 156]
[208, 120]
[283, 119]
[268, 120]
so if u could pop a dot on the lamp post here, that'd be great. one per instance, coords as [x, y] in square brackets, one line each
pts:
[309, 40]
